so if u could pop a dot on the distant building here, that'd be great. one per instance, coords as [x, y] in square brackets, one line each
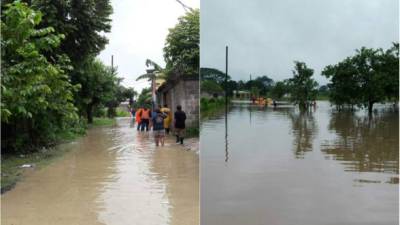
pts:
[184, 91]
[124, 104]
[242, 95]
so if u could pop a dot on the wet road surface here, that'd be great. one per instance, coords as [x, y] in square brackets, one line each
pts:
[114, 176]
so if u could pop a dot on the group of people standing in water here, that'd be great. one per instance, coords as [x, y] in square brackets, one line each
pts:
[160, 120]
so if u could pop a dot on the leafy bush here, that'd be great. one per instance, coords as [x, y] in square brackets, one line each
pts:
[37, 96]
[210, 106]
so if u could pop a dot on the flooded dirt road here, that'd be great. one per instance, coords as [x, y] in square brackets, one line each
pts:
[281, 167]
[113, 176]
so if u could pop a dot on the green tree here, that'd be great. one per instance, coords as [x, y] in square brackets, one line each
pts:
[129, 93]
[390, 67]
[84, 24]
[181, 51]
[255, 91]
[302, 87]
[229, 87]
[368, 77]
[343, 86]
[37, 97]
[241, 85]
[263, 84]
[144, 98]
[279, 90]
[99, 86]
[266, 84]
[213, 75]
[211, 87]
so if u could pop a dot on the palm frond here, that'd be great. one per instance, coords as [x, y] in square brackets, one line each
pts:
[150, 62]
[148, 76]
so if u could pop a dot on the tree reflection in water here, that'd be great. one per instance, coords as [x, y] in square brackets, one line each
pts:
[304, 128]
[365, 143]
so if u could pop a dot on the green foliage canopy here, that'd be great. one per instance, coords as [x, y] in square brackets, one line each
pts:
[36, 93]
[211, 87]
[144, 98]
[368, 77]
[181, 51]
[302, 87]
[100, 86]
[213, 75]
[82, 22]
[279, 90]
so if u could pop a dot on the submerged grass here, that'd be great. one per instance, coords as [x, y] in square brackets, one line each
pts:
[121, 112]
[322, 98]
[102, 121]
[192, 132]
[11, 170]
[211, 107]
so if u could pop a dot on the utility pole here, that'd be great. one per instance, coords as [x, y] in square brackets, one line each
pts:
[153, 86]
[251, 94]
[111, 110]
[112, 63]
[226, 77]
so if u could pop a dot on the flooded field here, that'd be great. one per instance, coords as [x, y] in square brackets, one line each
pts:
[283, 167]
[112, 176]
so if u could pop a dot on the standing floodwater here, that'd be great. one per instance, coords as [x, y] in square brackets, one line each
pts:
[112, 176]
[283, 167]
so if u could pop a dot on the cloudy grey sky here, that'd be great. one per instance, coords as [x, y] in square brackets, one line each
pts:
[266, 36]
[139, 29]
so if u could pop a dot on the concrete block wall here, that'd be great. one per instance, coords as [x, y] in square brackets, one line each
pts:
[186, 94]
[190, 101]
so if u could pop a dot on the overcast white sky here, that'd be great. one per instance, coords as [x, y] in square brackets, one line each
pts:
[139, 29]
[266, 36]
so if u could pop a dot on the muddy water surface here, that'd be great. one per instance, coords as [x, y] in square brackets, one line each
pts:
[111, 176]
[282, 167]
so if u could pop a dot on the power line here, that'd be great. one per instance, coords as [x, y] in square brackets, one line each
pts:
[185, 7]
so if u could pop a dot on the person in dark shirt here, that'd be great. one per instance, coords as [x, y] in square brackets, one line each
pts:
[158, 127]
[179, 121]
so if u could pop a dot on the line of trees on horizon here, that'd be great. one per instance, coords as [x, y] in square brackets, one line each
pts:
[369, 76]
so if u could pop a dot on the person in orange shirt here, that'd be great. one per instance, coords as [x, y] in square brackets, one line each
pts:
[145, 118]
[138, 119]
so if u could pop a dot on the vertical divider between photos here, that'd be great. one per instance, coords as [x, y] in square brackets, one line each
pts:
[226, 104]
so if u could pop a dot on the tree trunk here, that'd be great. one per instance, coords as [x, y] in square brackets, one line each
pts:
[302, 106]
[89, 113]
[370, 105]
[111, 112]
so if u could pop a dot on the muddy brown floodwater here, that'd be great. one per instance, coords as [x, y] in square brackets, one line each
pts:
[112, 176]
[282, 167]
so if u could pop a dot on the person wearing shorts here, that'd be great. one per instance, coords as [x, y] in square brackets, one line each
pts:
[158, 127]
